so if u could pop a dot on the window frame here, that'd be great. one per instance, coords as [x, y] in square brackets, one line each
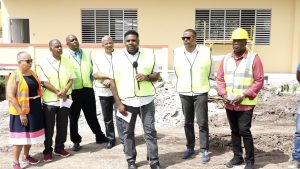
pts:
[98, 22]
[261, 19]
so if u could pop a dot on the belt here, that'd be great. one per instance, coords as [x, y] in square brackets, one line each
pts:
[34, 97]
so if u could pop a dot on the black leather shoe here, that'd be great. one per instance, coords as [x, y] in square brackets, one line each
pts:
[249, 165]
[131, 165]
[234, 162]
[110, 144]
[102, 140]
[155, 166]
[76, 147]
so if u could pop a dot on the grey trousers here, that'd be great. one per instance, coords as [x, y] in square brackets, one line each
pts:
[146, 113]
[191, 106]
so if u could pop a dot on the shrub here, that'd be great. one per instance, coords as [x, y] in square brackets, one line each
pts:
[2, 88]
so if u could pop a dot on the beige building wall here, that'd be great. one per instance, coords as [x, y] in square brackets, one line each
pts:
[0, 18]
[161, 22]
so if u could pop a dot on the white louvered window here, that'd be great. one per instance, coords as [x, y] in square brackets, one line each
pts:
[97, 23]
[219, 23]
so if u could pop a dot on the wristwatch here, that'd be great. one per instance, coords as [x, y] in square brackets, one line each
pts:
[243, 96]
[148, 77]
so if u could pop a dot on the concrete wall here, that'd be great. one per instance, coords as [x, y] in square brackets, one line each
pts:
[161, 22]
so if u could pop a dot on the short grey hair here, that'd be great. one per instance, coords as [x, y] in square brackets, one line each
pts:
[21, 54]
[51, 42]
[106, 37]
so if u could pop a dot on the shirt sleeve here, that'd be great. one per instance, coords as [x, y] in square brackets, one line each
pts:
[95, 69]
[42, 76]
[221, 85]
[258, 76]
[156, 67]
[298, 67]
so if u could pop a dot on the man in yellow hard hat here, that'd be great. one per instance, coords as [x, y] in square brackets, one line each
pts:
[240, 77]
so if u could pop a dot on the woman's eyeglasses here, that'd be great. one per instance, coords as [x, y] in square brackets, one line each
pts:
[29, 61]
[187, 37]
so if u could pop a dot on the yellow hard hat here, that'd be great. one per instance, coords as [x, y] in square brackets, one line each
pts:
[239, 33]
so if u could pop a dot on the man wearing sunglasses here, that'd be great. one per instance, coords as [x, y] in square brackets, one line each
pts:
[192, 64]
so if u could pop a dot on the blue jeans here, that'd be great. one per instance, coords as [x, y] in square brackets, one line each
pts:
[296, 152]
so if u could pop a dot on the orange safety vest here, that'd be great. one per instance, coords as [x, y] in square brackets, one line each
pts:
[22, 95]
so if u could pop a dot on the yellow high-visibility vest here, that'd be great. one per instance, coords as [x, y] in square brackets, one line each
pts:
[124, 74]
[58, 78]
[83, 71]
[192, 77]
[239, 79]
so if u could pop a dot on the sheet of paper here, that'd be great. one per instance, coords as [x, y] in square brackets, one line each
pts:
[126, 118]
[230, 96]
[66, 103]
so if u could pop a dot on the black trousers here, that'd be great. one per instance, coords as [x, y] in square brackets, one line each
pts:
[240, 124]
[191, 106]
[84, 99]
[52, 115]
[107, 104]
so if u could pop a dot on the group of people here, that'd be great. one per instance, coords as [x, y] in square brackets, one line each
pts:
[65, 82]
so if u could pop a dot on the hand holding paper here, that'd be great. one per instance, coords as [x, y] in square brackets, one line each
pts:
[66, 103]
[126, 118]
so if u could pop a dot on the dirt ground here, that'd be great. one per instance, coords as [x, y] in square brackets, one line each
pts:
[272, 129]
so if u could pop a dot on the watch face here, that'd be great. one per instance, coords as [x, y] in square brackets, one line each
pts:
[148, 77]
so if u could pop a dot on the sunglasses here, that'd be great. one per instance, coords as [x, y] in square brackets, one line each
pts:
[29, 61]
[188, 38]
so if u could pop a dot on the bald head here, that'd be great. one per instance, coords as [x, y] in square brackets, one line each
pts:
[72, 42]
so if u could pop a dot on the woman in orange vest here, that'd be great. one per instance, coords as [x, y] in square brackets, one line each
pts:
[23, 92]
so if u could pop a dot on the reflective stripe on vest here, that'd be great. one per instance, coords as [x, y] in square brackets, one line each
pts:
[22, 95]
[58, 78]
[125, 74]
[192, 77]
[82, 70]
[239, 79]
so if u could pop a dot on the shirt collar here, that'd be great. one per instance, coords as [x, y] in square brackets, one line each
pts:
[194, 51]
[74, 53]
[135, 55]
[52, 60]
[244, 56]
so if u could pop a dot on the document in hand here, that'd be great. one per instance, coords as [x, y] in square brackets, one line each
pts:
[66, 103]
[126, 118]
